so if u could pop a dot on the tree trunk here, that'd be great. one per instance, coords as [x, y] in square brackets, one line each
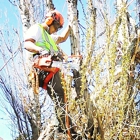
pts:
[34, 113]
[73, 20]
[50, 5]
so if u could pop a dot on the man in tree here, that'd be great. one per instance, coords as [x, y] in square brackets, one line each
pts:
[40, 41]
[36, 38]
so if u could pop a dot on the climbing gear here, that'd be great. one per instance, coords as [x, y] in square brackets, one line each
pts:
[44, 68]
[54, 16]
[49, 77]
[40, 75]
[33, 79]
[42, 62]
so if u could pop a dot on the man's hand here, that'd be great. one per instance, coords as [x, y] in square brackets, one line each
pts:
[57, 57]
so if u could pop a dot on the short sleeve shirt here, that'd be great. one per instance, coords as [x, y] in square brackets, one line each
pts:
[34, 32]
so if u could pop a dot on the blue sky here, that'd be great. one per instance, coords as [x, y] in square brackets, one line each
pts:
[6, 12]
[62, 8]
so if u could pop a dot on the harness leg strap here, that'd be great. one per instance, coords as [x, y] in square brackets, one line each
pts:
[49, 77]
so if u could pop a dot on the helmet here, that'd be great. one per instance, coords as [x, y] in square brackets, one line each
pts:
[55, 16]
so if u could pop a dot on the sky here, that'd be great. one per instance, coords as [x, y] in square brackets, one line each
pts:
[62, 8]
[6, 10]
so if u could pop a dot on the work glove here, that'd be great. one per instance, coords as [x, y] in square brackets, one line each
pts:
[57, 57]
[44, 52]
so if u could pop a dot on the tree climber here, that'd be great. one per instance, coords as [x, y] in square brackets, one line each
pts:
[41, 45]
[39, 42]
[36, 38]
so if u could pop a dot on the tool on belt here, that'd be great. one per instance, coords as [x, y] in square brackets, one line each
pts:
[42, 72]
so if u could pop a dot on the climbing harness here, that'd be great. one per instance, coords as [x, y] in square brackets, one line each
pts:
[44, 68]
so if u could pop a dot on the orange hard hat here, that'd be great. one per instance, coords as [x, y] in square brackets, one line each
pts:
[56, 17]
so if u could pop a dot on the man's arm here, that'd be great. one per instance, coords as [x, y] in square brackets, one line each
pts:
[63, 37]
[32, 35]
[30, 46]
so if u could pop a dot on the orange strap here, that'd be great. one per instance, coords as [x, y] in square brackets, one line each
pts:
[49, 76]
[67, 121]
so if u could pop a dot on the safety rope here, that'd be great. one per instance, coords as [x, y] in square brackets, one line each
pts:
[33, 78]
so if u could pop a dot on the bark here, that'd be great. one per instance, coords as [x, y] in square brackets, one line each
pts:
[25, 16]
[50, 5]
[73, 20]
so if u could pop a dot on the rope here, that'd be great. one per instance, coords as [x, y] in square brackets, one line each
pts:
[33, 78]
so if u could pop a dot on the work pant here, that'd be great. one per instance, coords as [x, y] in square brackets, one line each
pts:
[56, 92]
